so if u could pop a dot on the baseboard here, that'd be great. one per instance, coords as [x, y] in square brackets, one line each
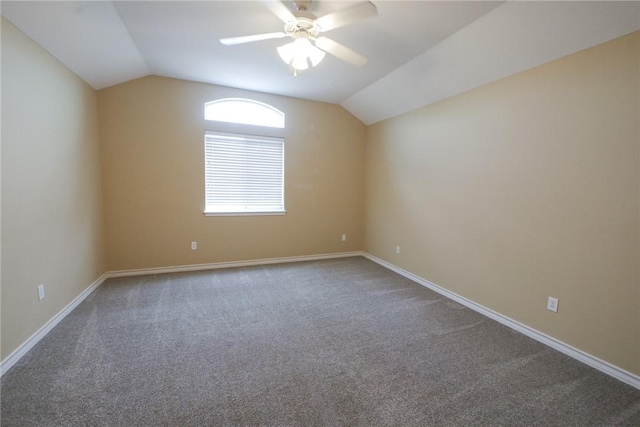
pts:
[599, 364]
[18, 353]
[230, 264]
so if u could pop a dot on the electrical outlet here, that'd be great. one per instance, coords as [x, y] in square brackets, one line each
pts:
[344, 237]
[552, 304]
[397, 249]
[40, 292]
[194, 246]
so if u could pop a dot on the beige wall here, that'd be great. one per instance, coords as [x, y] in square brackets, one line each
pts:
[522, 189]
[152, 138]
[51, 208]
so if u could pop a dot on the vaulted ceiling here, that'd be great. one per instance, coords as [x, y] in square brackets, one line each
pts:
[419, 52]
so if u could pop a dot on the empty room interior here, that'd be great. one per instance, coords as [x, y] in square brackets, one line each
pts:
[430, 215]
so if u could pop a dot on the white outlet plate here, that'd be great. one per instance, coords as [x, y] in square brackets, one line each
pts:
[552, 304]
[40, 292]
[194, 246]
[344, 237]
[397, 249]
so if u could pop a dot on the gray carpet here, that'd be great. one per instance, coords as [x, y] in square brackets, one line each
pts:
[326, 343]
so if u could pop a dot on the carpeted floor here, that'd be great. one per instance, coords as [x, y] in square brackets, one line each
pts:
[326, 343]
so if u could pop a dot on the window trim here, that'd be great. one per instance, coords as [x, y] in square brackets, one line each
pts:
[244, 213]
[256, 213]
[241, 121]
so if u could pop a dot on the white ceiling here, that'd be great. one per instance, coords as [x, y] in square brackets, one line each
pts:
[419, 51]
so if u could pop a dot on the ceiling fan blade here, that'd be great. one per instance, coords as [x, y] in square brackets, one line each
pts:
[230, 41]
[280, 10]
[346, 16]
[340, 51]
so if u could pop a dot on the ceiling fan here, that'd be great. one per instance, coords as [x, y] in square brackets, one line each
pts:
[305, 28]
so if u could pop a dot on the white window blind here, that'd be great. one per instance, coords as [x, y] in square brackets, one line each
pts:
[244, 174]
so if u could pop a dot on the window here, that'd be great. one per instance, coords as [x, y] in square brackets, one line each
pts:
[243, 174]
[243, 111]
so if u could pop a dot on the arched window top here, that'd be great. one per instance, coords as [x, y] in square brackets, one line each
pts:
[243, 111]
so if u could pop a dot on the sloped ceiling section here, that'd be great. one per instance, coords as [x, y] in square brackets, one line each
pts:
[420, 52]
[88, 37]
[110, 42]
[513, 37]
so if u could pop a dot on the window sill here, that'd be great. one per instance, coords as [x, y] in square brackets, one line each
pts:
[244, 213]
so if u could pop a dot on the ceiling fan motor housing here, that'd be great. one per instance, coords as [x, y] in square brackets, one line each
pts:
[303, 26]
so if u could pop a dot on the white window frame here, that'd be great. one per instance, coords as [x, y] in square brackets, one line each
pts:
[244, 111]
[242, 199]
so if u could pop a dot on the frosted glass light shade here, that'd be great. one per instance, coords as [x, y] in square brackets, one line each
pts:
[299, 52]
[315, 55]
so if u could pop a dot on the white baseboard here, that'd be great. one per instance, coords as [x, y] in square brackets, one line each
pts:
[229, 264]
[18, 353]
[599, 364]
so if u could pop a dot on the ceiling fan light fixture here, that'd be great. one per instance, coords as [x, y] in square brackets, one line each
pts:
[286, 52]
[308, 47]
[315, 55]
[299, 52]
[300, 63]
